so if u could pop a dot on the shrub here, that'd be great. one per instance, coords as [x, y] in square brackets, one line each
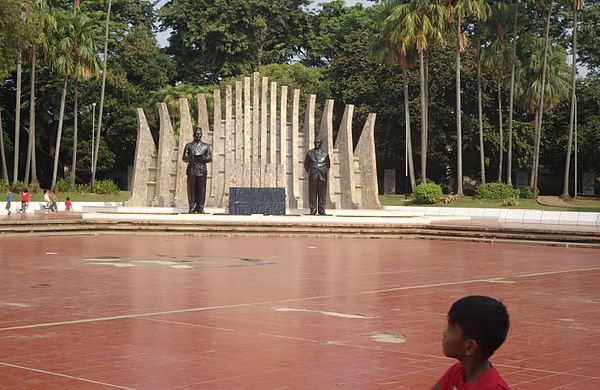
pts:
[526, 193]
[35, 188]
[80, 188]
[18, 186]
[3, 186]
[428, 193]
[63, 185]
[496, 191]
[512, 201]
[105, 187]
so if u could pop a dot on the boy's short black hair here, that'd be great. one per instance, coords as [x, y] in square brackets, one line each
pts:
[68, 198]
[483, 319]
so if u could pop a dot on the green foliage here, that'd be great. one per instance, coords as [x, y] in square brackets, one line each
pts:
[510, 201]
[63, 185]
[105, 187]
[496, 191]
[19, 28]
[35, 188]
[18, 186]
[4, 186]
[525, 193]
[428, 193]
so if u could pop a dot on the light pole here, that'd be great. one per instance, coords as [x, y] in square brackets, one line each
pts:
[93, 131]
[405, 165]
[575, 120]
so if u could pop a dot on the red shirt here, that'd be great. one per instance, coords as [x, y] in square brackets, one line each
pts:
[25, 197]
[453, 380]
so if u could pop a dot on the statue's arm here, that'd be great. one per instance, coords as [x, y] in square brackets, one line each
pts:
[186, 155]
[208, 154]
[307, 161]
[327, 162]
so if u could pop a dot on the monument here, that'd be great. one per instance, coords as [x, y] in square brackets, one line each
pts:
[316, 165]
[196, 154]
[257, 142]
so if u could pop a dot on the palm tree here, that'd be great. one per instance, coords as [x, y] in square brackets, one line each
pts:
[462, 9]
[577, 6]
[540, 114]
[417, 23]
[389, 53]
[513, 63]
[17, 121]
[496, 59]
[75, 57]
[48, 24]
[2, 154]
[529, 86]
[101, 107]
[480, 109]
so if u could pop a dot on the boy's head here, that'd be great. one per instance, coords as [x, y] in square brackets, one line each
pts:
[477, 326]
[68, 198]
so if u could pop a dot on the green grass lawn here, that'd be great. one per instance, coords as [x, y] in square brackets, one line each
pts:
[580, 205]
[122, 196]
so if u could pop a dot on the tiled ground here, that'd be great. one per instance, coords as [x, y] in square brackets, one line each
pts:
[166, 312]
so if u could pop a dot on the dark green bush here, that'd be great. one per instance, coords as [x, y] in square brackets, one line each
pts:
[63, 185]
[428, 193]
[18, 187]
[3, 186]
[526, 193]
[105, 187]
[496, 191]
[512, 201]
[80, 188]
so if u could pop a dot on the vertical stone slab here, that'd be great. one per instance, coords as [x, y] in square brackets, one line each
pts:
[296, 200]
[264, 128]
[271, 171]
[282, 170]
[343, 144]
[218, 153]
[167, 161]
[255, 182]
[365, 151]
[203, 121]
[389, 181]
[247, 179]
[239, 135]
[229, 133]
[326, 134]
[186, 134]
[308, 138]
[142, 188]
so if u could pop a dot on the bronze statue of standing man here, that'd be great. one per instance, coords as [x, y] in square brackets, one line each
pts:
[317, 166]
[196, 154]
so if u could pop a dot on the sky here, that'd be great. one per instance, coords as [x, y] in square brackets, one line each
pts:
[164, 35]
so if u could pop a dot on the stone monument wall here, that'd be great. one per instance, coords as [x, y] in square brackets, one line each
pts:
[257, 141]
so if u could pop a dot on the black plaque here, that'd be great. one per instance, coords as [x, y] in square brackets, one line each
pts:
[246, 201]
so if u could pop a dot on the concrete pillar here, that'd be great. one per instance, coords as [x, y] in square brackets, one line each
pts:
[365, 151]
[255, 130]
[297, 170]
[218, 152]
[343, 144]
[143, 182]
[326, 134]
[264, 127]
[167, 161]
[247, 180]
[229, 133]
[239, 135]
[308, 138]
[186, 134]
[282, 161]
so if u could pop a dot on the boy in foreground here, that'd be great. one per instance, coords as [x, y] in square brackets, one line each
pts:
[477, 326]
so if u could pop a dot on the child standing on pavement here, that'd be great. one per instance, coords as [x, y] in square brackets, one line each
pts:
[24, 200]
[8, 200]
[68, 205]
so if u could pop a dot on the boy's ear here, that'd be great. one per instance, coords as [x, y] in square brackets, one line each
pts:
[471, 347]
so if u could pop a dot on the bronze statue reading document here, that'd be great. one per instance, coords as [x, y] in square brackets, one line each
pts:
[317, 165]
[196, 154]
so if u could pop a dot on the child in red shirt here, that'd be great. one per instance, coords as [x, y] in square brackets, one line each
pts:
[24, 199]
[477, 326]
[68, 205]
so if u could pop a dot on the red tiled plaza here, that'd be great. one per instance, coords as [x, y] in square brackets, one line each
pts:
[185, 312]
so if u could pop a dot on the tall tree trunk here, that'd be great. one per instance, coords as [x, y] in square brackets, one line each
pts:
[31, 141]
[411, 164]
[565, 193]
[59, 132]
[459, 172]
[501, 131]
[17, 121]
[480, 110]
[101, 109]
[534, 183]
[535, 147]
[75, 117]
[2, 154]
[423, 120]
[425, 56]
[512, 94]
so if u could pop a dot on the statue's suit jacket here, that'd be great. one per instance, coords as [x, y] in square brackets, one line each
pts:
[197, 154]
[317, 164]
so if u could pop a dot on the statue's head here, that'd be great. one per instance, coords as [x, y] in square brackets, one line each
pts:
[197, 134]
[318, 143]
